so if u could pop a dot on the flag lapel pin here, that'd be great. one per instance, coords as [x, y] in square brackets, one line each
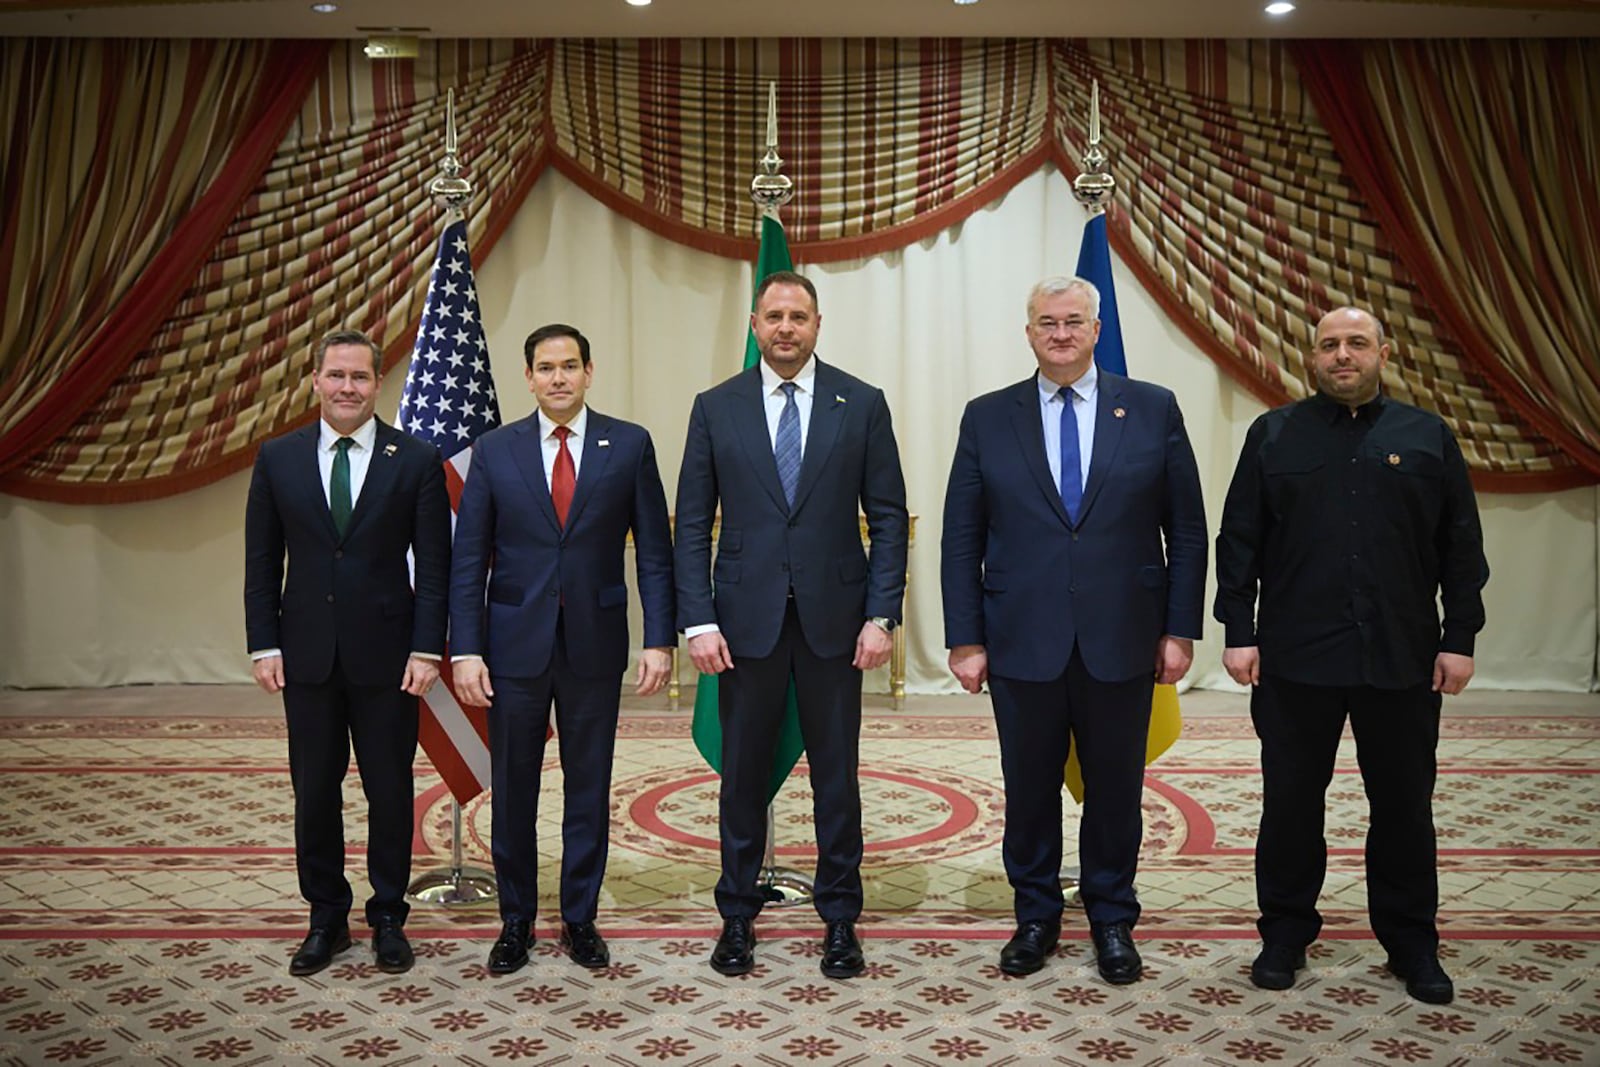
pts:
[1120, 413]
[390, 449]
[602, 443]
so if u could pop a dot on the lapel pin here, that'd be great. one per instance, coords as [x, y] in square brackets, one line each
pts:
[837, 399]
[1120, 413]
[1394, 459]
[602, 443]
[389, 449]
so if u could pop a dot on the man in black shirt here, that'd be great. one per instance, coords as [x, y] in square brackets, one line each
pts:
[1350, 512]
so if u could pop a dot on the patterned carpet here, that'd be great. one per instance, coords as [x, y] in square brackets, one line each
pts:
[148, 908]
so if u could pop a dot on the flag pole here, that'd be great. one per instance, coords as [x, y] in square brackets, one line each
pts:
[1092, 188]
[458, 884]
[771, 189]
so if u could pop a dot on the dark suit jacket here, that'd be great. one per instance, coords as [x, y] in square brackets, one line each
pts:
[1022, 581]
[507, 521]
[851, 465]
[352, 595]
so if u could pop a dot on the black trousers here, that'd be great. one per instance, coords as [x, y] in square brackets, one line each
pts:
[1396, 733]
[586, 731]
[323, 721]
[1037, 722]
[751, 701]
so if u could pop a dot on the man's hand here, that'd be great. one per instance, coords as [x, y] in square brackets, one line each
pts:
[1243, 664]
[710, 653]
[655, 666]
[420, 676]
[1174, 655]
[471, 677]
[269, 673]
[873, 646]
[1451, 672]
[970, 665]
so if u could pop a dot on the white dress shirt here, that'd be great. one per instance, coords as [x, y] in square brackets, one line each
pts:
[364, 439]
[550, 444]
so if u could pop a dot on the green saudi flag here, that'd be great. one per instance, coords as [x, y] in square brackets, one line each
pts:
[773, 256]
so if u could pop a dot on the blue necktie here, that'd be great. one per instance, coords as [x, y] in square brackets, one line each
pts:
[786, 449]
[1071, 464]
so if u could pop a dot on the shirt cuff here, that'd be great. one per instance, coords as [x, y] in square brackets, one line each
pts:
[1238, 635]
[464, 657]
[703, 628]
[1459, 642]
[267, 653]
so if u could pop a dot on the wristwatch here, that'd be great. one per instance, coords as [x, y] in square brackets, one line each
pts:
[884, 623]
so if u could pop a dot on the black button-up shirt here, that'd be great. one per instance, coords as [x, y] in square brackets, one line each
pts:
[1351, 524]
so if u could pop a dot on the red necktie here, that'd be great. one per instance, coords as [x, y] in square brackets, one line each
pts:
[564, 478]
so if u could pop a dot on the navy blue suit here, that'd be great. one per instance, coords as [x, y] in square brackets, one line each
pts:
[1071, 616]
[790, 591]
[346, 619]
[554, 628]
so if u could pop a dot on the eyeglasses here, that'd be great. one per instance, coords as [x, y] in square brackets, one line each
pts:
[1050, 326]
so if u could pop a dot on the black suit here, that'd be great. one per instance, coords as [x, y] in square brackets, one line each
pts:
[793, 588]
[346, 620]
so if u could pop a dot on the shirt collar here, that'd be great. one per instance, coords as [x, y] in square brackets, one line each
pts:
[364, 437]
[805, 381]
[1085, 386]
[1332, 410]
[578, 425]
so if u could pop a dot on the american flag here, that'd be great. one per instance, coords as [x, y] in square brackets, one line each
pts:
[448, 401]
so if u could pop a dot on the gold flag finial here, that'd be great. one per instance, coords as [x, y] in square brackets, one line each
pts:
[771, 189]
[1094, 184]
[450, 190]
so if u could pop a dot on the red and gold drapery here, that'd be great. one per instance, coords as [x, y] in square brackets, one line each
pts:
[1248, 199]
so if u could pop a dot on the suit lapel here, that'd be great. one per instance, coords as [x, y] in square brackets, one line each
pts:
[828, 399]
[750, 420]
[307, 461]
[597, 449]
[1025, 421]
[528, 452]
[1108, 429]
[381, 467]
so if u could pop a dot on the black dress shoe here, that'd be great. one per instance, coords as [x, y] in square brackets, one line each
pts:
[1028, 947]
[510, 952]
[1425, 978]
[390, 948]
[1115, 955]
[736, 948]
[1275, 967]
[841, 950]
[584, 945]
[318, 949]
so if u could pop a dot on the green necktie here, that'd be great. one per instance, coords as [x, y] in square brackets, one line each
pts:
[339, 485]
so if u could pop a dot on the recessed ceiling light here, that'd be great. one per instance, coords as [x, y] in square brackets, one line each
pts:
[324, 9]
[639, 3]
[964, 3]
[1280, 7]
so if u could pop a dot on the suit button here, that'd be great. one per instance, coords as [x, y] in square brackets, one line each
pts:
[786, 567]
[1074, 535]
[1072, 588]
[330, 598]
[555, 592]
[338, 553]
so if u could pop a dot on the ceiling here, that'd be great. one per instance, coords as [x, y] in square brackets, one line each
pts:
[813, 18]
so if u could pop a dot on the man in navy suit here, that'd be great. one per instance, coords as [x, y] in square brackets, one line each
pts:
[543, 527]
[345, 639]
[1073, 569]
[794, 450]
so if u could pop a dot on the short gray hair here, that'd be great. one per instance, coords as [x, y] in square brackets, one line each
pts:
[1058, 284]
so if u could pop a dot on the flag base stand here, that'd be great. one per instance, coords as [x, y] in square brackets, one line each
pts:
[453, 888]
[782, 887]
[1071, 890]
[458, 885]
